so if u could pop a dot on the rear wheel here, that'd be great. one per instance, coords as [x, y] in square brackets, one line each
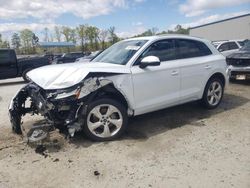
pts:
[106, 119]
[213, 93]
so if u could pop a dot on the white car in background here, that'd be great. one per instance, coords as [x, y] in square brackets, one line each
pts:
[132, 77]
[228, 47]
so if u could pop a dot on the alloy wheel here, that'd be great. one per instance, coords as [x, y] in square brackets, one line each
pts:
[214, 93]
[104, 120]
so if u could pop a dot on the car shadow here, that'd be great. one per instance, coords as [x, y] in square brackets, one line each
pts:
[148, 125]
[12, 83]
[242, 82]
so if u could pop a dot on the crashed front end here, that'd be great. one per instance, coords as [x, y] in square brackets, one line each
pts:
[239, 65]
[62, 108]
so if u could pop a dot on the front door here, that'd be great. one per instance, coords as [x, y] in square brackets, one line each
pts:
[157, 87]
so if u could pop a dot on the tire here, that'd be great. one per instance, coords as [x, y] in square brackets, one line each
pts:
[15, 123]
[213, 93]
[109, 125]
[24, 75]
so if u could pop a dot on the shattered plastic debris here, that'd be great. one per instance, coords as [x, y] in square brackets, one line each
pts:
[41, 149]
[96, 173]
[56, 160]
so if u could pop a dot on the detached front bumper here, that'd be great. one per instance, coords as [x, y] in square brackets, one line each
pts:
[239, 73]
[16, 110]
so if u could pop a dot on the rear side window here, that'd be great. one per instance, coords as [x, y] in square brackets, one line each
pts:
[191, 48]
[233, 45]
[4, 56]
[164, 50]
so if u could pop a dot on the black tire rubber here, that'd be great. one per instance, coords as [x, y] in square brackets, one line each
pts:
[15, 124]
[24, 75]
[204, 100]
[115, 103]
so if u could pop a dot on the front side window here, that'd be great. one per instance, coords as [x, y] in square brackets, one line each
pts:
[164, 50]
[224, 47]
[190, 48]
[120, 53]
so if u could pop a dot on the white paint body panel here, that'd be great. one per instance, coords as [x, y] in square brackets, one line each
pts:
[156, 87]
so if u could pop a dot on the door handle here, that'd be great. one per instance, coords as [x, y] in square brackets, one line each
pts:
[174, 73]
[208, 67]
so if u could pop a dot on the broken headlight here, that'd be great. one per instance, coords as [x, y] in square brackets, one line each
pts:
[75, 92]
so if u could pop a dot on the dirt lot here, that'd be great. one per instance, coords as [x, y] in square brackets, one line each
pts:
[184, 146]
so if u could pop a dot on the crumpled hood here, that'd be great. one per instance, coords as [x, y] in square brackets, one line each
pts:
[62, 76]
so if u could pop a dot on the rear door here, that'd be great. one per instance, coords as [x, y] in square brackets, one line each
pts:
[8, 66]
[195, 66]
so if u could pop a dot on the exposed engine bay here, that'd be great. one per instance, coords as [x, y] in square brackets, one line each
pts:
[63, 108]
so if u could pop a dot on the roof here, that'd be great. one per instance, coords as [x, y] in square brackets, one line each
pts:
[166, 36]
[56, 44]
[236, 17]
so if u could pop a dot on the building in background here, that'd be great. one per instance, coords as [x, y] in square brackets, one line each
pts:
[232, 28]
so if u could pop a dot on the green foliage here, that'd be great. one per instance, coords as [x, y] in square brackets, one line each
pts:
[58, 33]
[92, 37]
[66, 31]
[4, 44]
[153, 31]
[112, 36]
[179, 30]
[15, 41]
[85, 37]
[82, 35]
[26, 36]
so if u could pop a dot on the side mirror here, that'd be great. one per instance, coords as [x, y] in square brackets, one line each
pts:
[220, 50]
[149, 61]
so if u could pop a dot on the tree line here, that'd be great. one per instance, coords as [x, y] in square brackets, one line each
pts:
[85, 38]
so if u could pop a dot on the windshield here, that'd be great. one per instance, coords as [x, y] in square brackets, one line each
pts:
[120, 53]
[246, 46]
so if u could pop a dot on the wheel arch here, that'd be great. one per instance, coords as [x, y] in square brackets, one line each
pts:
[215, 75]
[220, 76]
[110, 91]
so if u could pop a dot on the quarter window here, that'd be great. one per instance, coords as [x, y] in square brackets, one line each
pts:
[190, 48]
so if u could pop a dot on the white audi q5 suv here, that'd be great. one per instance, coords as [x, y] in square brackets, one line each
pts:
[132, 77]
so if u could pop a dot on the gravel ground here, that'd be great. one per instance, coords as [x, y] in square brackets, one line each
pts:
[184, 146]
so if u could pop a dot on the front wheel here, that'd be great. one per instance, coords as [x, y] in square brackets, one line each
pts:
[213, 93]
[106, 119]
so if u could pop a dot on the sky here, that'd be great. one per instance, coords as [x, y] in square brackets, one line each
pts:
[130, 17]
